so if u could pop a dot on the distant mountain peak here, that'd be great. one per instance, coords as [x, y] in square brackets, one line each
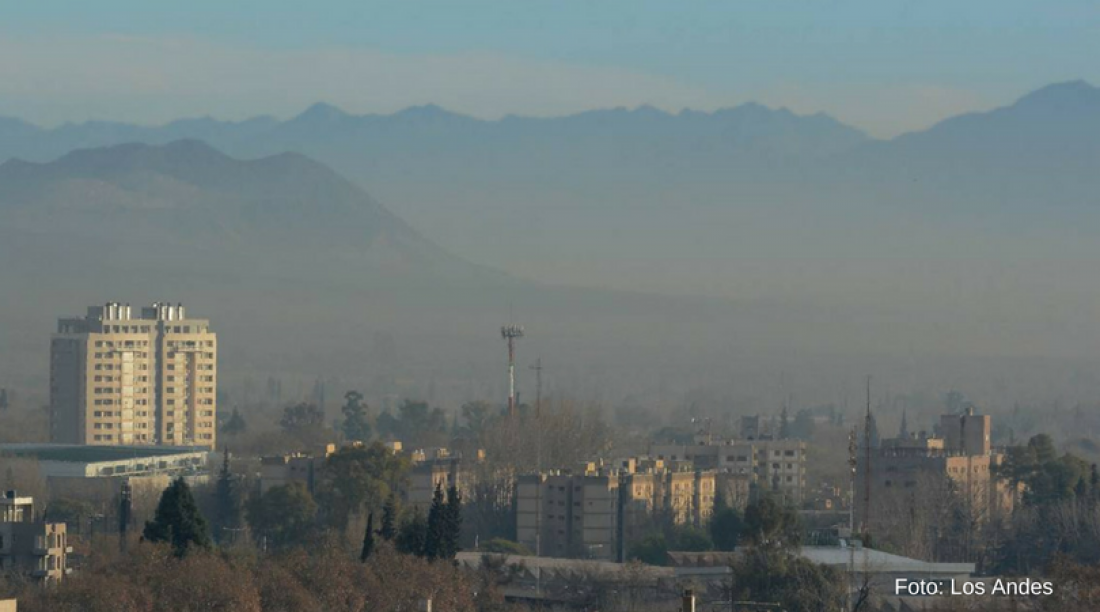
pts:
[321, 112]
[1061, 94]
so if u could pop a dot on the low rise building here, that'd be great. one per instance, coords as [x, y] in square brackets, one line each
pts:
[773, 465]
[37, 548]
[596, 512]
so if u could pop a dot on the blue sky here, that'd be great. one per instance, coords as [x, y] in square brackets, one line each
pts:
[884, 66]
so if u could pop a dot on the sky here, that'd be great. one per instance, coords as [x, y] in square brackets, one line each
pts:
[887, 67]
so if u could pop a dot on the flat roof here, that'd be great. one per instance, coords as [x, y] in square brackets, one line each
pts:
[80, 453]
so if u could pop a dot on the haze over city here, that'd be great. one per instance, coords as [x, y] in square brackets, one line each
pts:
[419, 240]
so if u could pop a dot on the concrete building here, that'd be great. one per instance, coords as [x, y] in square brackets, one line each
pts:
[598, 511]
[36, 548]
[900, 467]
[121, 379]
[774, 465]
[438, 467]
[281, 470]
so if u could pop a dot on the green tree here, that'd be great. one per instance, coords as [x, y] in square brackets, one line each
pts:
[452, 524]
[412, 537]
[359, 478]
[772, 524]
[235, 425]
[434, 540]
[389, 519]
[286, 514]
[368, 539]
[178, 520]
[227, 500]
[691, 539]
[787, 579]
[303, 420]
[356, 425]
[725, 525]
[651, 550]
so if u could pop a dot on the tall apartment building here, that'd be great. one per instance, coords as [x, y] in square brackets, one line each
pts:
[33, 547]
[120, 379]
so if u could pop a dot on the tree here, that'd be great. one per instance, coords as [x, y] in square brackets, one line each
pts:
[228, 508]
[235, 425]
[178, 520]
[770, 523]
[436, 533]
[651, 550]
[725, 525]
[452, 524]
[389, 519]
[412, 537]
[3, 399]
[784, 424]
[286, 514]
[356, 425]
[782, 577]
[303, 420]
[368, 539]
[359, 477]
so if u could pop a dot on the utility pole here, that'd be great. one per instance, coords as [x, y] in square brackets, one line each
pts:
[852, 462]
[510, 333]
[867, 465]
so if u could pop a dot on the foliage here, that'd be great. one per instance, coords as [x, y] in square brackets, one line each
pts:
[304, 421]
[416, 424]
[389, 519]
[178, 520]
[651, 550]
[227, 499]
[725, 526]
[412, 535]
[359, 478]
[286, 515]
[71, 511]
[772, 524]
[368, 539]
[764, 574]
[444, 525]
[356, 425]
[235, 425]
[506, 547]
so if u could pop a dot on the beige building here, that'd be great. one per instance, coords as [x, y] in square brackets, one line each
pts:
[36, 548]
[900, 467]
[598, 511]
[773, 465]
[121, 379]
[437, 467]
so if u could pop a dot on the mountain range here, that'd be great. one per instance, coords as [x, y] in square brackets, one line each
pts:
[797, 233]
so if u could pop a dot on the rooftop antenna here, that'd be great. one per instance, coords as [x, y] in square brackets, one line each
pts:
[867, 463]
[510, 333]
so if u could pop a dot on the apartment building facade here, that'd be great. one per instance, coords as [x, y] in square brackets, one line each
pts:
[772, 465]
[36, 548]
[596, 512]
[124, 378]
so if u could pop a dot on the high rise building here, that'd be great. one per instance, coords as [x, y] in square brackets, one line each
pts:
[37, 548]
[120, 379]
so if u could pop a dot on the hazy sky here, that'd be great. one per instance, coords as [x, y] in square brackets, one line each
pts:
[884, 66]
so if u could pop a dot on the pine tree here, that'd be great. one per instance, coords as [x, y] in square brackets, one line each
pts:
[412, 537]
[784, 424]
[225, 493]
[452, 523]
[178, 520]
[435, 539]
[389, 519]
[368, 539]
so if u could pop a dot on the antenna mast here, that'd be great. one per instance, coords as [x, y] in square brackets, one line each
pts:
[510, 333]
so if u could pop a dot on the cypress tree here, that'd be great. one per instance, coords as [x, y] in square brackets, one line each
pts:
[389, 519]
[368, 539]
[178, 520]
[452, 524]
[411, 539]
[435, 540]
